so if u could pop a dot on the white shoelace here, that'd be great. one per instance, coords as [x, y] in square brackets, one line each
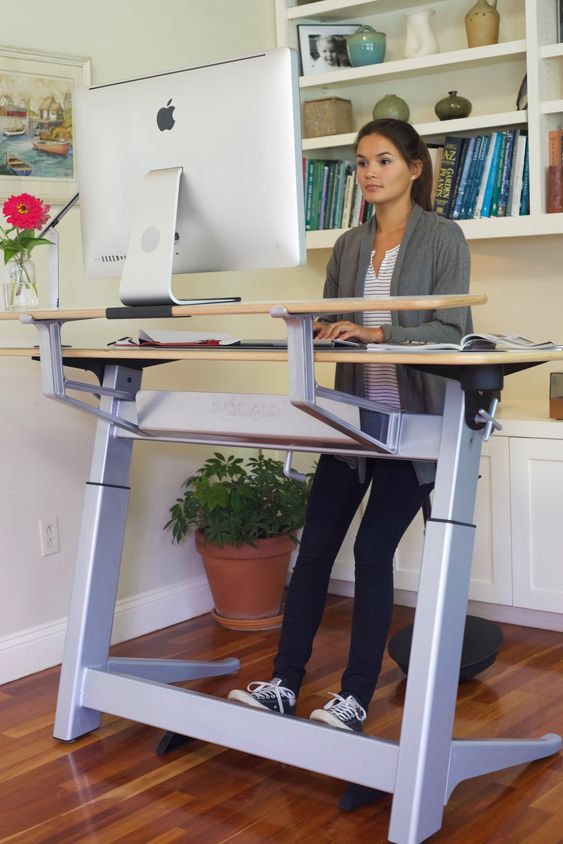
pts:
[268, 690]
[347, 707]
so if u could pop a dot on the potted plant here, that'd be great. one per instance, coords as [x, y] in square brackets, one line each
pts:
[246, 517]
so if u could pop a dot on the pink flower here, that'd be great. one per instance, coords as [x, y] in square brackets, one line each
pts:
[26, 211]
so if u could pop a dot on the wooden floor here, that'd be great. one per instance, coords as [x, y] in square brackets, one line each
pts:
[112, 787]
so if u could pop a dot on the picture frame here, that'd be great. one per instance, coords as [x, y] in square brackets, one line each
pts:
[332, 37]
[36, 138]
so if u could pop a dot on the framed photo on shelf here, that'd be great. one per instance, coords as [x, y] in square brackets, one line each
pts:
[36, 134]
[322, 47]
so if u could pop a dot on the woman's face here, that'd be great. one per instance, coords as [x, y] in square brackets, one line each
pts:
[382, 173]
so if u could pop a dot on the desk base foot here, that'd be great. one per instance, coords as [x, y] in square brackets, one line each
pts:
[355, 796]
[173, 670]
[171, 741]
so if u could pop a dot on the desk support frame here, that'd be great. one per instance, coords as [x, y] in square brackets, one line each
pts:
[420, 770]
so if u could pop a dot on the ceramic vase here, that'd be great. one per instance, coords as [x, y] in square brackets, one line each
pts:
[391, 106]
[20, 287]
[482, 23]
[420, 39]
[452, 106]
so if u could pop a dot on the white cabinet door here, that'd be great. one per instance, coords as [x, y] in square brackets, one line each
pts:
[536, 468]
[491, 578]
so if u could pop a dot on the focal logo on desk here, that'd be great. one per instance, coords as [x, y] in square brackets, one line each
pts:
[256, 410]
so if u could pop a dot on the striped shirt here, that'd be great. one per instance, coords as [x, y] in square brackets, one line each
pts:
[380, 379]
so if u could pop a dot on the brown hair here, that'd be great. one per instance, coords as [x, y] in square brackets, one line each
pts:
[411, 147]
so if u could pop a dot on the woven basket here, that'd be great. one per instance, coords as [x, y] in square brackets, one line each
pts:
[329, 116]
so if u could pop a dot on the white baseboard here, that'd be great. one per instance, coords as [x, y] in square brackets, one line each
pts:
[493, 612]
[41, 647]
[521, 616]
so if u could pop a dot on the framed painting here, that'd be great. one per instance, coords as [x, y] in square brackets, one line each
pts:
[322, 47]
[36, 135]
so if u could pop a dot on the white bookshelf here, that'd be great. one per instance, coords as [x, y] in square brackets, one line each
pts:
[528, 44]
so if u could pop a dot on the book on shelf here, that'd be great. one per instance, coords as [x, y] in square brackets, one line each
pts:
[348, 199]
[500, 195]
[525, 197]
[471, 343]
[509, 171]
[513, 208]
[492, 175]
[336, 210]
[318, 173]
[451, 157]
[470, 181]
[322, 204]
[459, 171]
[555, 147]
[475, 177]
[464, 170]
[311, 174]
[485, 176]
[435, 153]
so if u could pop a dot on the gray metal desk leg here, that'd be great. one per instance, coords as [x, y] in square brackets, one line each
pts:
[97, 565]
[96, 577]
[426, 749]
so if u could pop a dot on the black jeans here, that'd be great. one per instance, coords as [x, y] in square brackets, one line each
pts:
[394, 499]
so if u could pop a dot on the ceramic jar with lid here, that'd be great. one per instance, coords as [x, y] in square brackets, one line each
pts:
[452, 106]
[365, 46]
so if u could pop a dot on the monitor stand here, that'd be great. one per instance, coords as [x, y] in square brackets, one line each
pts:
[147, 273]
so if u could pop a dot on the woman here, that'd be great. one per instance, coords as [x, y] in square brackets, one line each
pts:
[405, 249]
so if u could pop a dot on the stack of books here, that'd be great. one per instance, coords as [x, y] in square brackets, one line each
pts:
[482, 175]
[332, 198]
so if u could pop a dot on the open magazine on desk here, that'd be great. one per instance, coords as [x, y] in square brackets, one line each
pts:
[470, 343]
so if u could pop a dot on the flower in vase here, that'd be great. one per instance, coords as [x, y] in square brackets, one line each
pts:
[24, 214]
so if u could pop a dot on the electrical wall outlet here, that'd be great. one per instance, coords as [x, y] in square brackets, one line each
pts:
[49, 536]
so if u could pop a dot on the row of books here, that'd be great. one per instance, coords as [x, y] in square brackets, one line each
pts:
[332, 198]
[482, 175]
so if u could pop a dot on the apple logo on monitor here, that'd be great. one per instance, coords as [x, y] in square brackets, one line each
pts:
[165, 117]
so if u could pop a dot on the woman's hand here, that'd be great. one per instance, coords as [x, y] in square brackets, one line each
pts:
[346, 330]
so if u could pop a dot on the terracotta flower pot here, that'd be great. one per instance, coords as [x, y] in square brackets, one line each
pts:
[247, 582]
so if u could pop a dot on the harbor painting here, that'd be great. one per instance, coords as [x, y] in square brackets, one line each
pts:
[36, 133]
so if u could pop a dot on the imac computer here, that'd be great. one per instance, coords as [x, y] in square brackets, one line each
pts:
[194, 170]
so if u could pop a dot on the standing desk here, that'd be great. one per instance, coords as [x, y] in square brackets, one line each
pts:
[424, 766]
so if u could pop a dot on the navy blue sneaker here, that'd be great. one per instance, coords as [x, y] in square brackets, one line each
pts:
[273, 695]
[343, 712]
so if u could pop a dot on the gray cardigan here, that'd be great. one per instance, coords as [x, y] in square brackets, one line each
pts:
[433, 259]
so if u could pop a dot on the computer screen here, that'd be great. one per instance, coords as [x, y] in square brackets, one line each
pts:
[223, 142]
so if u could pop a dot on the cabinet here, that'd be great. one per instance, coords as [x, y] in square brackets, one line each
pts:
[489, 76]
[536, 481]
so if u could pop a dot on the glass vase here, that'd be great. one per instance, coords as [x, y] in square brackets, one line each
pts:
[20, 287]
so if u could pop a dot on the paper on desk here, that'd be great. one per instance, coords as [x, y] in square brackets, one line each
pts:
[158, 337]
